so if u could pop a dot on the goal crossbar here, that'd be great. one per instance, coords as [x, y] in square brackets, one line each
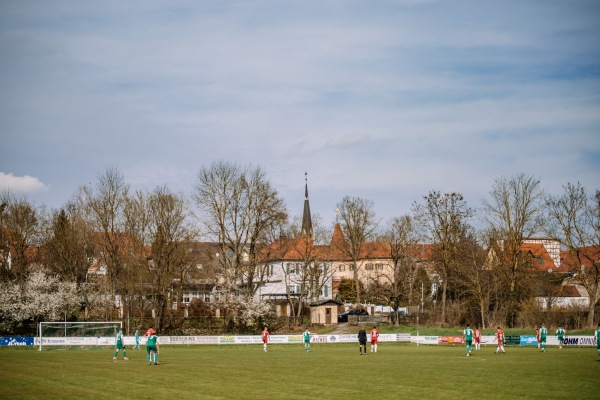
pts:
[63, 328]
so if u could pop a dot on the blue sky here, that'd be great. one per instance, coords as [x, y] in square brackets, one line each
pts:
[384, 100]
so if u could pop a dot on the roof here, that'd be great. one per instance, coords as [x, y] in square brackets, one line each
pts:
[326, 302]
[542, 260]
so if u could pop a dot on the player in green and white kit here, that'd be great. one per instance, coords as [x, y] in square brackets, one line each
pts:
[597, 337]
[543, 333]
[560, 332]
[468, 335]
[306, 339]
[152, 348]
[120, 345]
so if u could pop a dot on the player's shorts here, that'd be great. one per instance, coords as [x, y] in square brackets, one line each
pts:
[265, 341]
[120, 346]
[151, 348]
[374, 341]
[469, 342]
[362, 341]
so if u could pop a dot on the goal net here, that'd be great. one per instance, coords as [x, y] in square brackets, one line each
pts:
[78, 333]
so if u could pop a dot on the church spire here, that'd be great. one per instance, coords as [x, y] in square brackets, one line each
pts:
[306, 218]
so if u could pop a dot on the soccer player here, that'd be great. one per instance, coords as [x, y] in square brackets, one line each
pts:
[537, 337]
[152, 347]
[265, 338]
[362, 341]
[150, 331]
[468, 336]
[560, 332]
[120, 345]
[477, 337]
[500, 337]
[597, 337]
[137, 338]
[374, 339]
[306, 339]
[543, 333]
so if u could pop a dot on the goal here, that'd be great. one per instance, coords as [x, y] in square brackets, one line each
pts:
[77, 333]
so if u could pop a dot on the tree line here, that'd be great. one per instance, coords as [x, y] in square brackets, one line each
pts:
[145, 240]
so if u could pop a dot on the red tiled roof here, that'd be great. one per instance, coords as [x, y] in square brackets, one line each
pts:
[541, 259]
[583, 256]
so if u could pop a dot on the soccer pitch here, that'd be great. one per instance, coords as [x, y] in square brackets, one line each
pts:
[328, 371]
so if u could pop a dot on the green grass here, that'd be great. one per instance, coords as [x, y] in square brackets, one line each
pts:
[329, 371]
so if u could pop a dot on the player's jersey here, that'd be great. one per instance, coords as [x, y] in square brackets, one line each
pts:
[500, 337]
[597, 336]
[306, 336]
[560, 332]
[468, 332]
[265, 336]
[543, 333]
[537, 335]
[477, 335]
[119, 338]
[374, 335]
[137, 337]
[152, 340]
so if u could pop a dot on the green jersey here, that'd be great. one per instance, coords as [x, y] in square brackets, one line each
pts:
[306, 336]
[119, 338]
[597, 337]
[468, 334]
[137, 337]
[560, 332]
[152, 340]
[543, 333]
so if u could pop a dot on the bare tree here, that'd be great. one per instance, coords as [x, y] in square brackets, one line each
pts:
[240, 210]
[357, 221]
[106, 213]
[574, 219]
[170, 235]
[444, 220]
[398, 286]
[512, 214]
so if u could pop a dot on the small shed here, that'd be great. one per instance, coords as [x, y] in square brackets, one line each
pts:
[324, 312]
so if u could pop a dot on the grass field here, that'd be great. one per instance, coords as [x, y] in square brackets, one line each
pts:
[328, 371]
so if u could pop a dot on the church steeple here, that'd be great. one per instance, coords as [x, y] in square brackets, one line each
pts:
[306, 219]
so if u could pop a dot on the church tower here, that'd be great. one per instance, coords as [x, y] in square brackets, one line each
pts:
[307, 229]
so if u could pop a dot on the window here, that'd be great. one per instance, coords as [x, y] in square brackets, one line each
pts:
[369, 266]
[379, 266]
[351, 268]
[342, 267]
[293, 289]
[325, 291]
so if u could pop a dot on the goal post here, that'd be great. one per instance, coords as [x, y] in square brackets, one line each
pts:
[76, 333]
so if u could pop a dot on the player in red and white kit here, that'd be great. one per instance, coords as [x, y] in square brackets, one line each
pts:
[374, 339]
[265, 338]
[500, 338]
[477, 338]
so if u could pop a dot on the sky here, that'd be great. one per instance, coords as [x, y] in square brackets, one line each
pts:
[382, 100]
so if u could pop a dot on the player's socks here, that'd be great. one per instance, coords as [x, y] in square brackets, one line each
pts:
[124, 354]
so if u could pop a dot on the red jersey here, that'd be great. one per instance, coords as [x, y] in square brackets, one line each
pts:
[477, 335]
[537, 335]
[500, 337]
[265, 336]
[374, 336]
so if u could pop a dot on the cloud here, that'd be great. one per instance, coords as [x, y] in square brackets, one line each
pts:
[21, 184]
